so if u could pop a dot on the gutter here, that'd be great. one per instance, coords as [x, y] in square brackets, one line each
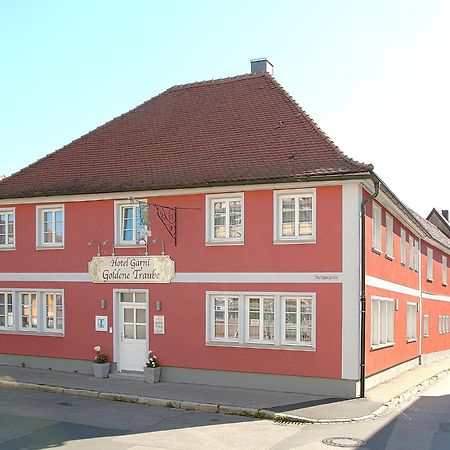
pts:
[362, 377]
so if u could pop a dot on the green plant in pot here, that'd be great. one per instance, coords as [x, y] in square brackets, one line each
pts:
[152, 369]
[101, 365]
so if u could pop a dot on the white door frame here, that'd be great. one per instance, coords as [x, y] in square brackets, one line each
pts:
[116, 321]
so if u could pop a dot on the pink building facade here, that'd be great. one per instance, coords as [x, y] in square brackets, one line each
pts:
[236, 256]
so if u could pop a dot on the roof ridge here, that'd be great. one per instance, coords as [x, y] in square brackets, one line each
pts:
[214, 81]
[317, 129]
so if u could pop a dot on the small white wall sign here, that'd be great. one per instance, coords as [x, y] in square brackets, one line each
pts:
[101, 323]
[158, 325]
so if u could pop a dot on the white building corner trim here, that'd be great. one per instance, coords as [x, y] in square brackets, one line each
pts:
[351, 199]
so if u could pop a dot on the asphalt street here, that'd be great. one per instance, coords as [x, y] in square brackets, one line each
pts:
[38, 420]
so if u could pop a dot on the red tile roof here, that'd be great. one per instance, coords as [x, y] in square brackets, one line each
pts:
[229, 131]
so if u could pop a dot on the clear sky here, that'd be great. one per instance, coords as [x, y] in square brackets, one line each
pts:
[375, 75]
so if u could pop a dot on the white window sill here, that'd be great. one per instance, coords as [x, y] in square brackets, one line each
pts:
[408, 341]
[50, 247]
[389, 257]
[445, 284]
[294, 241]
[7, 247]
[130, 245]
[265, 346]
[426, 335]
[380, 346]
[430, 280]
[403, 264]
[377, 250]
[31, 332]
[224, 242]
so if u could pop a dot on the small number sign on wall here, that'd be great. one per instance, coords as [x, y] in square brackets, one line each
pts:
[158, 325]
[101, 323]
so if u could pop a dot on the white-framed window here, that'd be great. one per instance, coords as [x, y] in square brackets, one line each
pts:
[426, 325]
[225, 317]
[295, 216]
[225, 218]
[271, 320]
[444, 271]
[411, 252]
[430, 264]
[402, 247]
[376, 228]
[129, 229]
[32, 311]
[440, 327]
[411, 321]
[53, 311]
[382, 322]
[297, 320]
[50, 226]
[416, 256]
[261, 319]
[7, 228]
[6, 311]
[28, 310]
[389, 236]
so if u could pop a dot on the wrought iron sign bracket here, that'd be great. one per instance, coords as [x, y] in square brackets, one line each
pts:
[166, 214]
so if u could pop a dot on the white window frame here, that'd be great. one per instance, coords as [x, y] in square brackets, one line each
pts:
[444, 271]
[277, 215]
[440, 324]
[261, 339]
[426, 325]
[389, 237]
[411, 252]
[40, 210]
[6, 245]
[4, 294]
[30, 326]
[416, 256]
[226, 338]
[402, 247]
[41, 328]
[243, 320]
[430, 264]
[411, 315]
[298, 340]
[209, 225]
[119, 206]
[376, 228]
[53, 329]
[382, 322]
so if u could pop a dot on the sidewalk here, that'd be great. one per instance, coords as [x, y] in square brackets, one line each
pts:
[251, 402]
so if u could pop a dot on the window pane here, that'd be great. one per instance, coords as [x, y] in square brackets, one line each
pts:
[254, 323]
[128, 331]
[126, 297]
[141, 316]
[141, 332]
[220, 220]
[235, 219]
[288, 216]
[128, 315]
[268, 325]
[140, 297]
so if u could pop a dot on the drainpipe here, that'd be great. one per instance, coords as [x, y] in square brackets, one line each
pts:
[362, 384]
[420, 303]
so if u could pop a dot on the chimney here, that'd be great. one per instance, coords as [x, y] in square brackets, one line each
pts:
[261, 65]
[445, 214]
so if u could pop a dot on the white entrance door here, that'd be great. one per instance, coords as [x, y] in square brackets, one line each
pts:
[133, 327]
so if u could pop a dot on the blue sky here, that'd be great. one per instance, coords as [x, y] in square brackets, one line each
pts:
[373, 74]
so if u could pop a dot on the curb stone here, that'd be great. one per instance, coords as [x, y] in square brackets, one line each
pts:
[225, 409]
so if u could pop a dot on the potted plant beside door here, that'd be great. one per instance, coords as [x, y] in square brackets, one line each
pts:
[100, 366]
[152, 369]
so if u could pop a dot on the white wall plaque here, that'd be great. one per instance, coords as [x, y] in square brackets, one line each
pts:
[158, 325]
[131, 269]
[101, 323]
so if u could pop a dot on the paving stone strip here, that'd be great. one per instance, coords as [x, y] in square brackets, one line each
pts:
[226, 409]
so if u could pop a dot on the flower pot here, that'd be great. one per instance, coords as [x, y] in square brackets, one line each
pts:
[101, 370]
[152, 374]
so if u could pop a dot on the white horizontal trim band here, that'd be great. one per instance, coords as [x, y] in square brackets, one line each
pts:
[186, 277]
[394, 287]
[390, 286]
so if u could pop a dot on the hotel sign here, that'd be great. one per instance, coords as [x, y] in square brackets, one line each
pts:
[131, 269]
